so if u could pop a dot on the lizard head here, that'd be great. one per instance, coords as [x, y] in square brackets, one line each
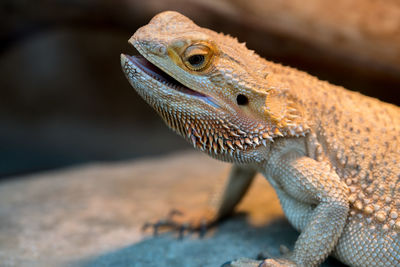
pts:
[209, 88]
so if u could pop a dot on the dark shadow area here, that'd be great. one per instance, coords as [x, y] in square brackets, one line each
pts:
[232, 239]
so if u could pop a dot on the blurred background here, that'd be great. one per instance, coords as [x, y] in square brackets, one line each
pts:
[65, 101]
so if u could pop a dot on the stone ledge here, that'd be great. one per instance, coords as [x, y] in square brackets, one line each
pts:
[93, 215]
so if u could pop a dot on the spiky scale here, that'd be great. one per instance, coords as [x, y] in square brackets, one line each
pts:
[239, 144]
[232, 133]
[221, 143]
[215, 147]
[256, 140]
[193, 140]
[247, 141]
[229, 143]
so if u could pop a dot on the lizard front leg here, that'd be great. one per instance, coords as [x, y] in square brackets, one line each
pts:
[227, 193]
[225, 200]
[315, 201]
[304, 181]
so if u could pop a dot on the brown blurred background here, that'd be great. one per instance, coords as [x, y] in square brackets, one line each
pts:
[65, 101]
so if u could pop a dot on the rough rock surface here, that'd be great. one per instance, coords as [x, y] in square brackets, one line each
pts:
[93, 216]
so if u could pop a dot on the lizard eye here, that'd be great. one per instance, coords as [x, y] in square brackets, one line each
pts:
[197, 57]
[196, 60]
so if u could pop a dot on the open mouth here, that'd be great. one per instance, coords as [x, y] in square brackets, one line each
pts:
[156, 73]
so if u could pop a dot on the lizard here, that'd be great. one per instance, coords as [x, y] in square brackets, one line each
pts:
[331, 154]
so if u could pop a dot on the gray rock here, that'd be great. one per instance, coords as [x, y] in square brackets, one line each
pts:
[93, 216]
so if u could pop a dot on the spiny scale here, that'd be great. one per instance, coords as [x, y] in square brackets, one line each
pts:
[220, 137]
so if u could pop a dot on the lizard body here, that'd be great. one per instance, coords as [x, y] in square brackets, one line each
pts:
[332, 155]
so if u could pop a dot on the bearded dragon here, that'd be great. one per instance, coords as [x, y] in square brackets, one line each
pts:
[332, 155]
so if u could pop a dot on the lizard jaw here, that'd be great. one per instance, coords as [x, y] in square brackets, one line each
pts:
[156, 73]
[150, 70]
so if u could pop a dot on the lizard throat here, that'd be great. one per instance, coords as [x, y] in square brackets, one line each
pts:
[156, 73]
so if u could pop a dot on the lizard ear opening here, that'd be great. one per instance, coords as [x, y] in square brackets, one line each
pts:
[242, 100]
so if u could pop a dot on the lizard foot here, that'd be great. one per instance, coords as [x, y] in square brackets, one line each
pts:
[277, 263]
[181, 222]
[284, 250]
[243, 262]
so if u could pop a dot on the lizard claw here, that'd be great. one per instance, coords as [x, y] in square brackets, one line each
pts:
[284, 251]
[174, 212]
[264, 255]
[167, 223]
[156, 226]
[277, 263]
[244, 262]
[181, 222]
[203, 228]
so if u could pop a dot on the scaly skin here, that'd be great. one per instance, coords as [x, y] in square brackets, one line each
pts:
[332, 155]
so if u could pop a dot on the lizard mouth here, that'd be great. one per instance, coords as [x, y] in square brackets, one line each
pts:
[156, 73]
